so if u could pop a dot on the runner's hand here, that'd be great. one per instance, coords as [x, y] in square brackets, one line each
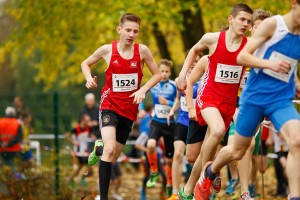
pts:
[181, 84]
[193, 114]
[162, 100]
[139, 97]
[91, 83]
[281, 66]
[170, 115]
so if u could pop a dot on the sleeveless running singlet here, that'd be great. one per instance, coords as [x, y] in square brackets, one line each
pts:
[264, 86]
[223, 75]
[123, 77]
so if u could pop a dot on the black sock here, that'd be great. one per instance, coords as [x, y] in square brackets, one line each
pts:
[99, 151]
[295, 198]
[105, 174]
[209, 173]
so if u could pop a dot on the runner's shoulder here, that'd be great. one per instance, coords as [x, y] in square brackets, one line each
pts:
[211, 37]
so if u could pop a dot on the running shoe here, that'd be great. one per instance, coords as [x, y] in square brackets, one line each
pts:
[183, 196]
[231, 187]
[252, 190]
[152, 180]
[203, 186]
[94, 156]
[168, 191]
[173, 197]
[246, 196]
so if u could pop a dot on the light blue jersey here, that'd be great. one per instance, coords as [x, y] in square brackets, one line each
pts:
[165, 89]
[183, 115]
[265, 87]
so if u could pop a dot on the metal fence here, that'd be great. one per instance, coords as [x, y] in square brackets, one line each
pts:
[53, 115]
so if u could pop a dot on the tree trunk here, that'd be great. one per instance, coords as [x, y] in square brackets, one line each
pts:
[193, 25]
[161, 41]
[162, 46]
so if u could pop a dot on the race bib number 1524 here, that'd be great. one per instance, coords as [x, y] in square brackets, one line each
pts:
[124, 82]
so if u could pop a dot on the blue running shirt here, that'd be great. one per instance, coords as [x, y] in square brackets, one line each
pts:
[165, 89]
[264, 86]
[183, 115]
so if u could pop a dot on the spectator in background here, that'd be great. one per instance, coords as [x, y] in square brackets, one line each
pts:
[81, 134]
[92, 110]
[20, 107]
[25, 145]
[10, 137]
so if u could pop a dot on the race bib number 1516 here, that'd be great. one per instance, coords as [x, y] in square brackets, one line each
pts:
[228, 73]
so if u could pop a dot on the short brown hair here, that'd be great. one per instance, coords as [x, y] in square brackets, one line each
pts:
[260, 14]
[166, 62]
[240, 7]
[130, 17]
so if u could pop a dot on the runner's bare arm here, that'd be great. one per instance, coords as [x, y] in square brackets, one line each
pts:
[147, 58]
[297, 84]
[174, 108]
[206, 42]
[261, 35]
[103, 51]
[195, 75]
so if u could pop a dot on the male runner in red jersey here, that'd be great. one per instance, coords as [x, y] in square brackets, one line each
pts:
[122, 92]
[217, 97]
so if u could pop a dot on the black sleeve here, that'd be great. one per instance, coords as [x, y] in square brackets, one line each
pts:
[17, 139]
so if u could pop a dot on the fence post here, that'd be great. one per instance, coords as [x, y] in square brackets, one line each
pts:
[56, 141]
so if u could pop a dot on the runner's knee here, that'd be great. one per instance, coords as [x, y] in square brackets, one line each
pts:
[294, 145]
[178, 155]
[218, 133]
[109, 151]
[238, 153]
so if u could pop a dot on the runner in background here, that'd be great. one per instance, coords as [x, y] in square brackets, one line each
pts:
[163, 96]
[81, 133]
[181, 132]
[141, 144]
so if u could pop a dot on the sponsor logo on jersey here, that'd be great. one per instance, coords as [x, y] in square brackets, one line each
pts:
[133, 64]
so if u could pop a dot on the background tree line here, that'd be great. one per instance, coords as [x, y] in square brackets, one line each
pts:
[42, 43]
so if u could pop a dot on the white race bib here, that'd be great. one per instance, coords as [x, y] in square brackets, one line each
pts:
[162, 111]
[183, 104]
[285, 77]
[124, 82]
[228, 73]
[244, 79]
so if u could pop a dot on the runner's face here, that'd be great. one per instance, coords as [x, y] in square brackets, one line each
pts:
[128, 32]
[296, 13]
[86, 120]
[241, 23]
[255, 25]
[165, 72]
